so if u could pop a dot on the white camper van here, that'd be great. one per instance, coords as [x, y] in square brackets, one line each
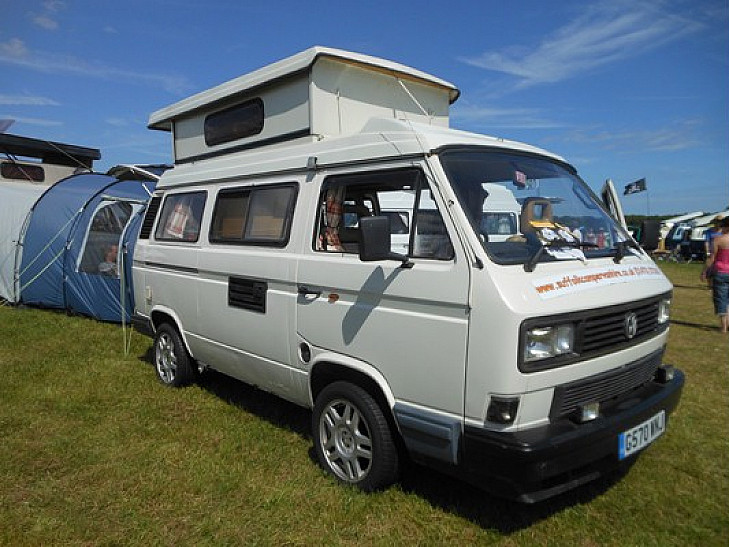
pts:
[526, 359]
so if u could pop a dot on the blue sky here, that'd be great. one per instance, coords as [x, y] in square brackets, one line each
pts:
[622, 89]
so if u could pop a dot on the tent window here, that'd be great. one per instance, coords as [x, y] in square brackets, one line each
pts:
[17, 171]
[254, 216]
[102, 243]
[181, 217]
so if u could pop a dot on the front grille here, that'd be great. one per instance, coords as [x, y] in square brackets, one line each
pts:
[605, 387]
[604, 331]
[599, 331]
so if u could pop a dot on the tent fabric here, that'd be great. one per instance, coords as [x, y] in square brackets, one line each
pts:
[74, 242]
[16, 201]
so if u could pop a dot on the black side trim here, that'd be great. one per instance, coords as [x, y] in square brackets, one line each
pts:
[248, 146]
[249, 294]
[429, 434]
[143, 325]
[172, 267]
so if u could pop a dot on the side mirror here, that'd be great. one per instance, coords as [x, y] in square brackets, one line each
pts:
[375, 242]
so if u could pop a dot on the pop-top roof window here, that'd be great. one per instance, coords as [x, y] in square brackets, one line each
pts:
[237, 122]
[17, 171]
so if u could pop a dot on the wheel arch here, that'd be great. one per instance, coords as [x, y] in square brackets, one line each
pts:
[329, 368]
[161, 314]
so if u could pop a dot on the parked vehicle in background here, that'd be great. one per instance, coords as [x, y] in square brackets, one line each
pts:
[37, 161]
[693, 247]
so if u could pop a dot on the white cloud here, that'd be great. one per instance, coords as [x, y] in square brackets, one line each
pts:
[26, 100]
[17, 53]
[47, 20]
[606, 32]
[33, 121]
[44, 21]
[681, 135]
[514, 118]
[54, 5]
[13, 50]
[117, 122]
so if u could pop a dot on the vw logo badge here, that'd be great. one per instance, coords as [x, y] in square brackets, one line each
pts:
[630, 325]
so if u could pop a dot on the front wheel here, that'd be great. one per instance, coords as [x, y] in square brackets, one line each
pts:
[172, 363]
[352, 438]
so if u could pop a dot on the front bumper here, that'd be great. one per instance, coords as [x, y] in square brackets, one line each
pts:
[536, 464]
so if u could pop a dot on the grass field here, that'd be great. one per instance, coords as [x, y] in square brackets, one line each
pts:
[94, 451]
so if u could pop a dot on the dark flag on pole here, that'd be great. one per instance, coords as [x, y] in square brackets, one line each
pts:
[634, 187]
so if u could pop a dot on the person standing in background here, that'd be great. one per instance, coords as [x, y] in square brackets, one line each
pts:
[709, 236]
[717, 263]
[711, 233]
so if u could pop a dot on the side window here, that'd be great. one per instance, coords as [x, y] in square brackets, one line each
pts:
[254, 216]
[237, 122]
[401, 195]
[101, 247]
[181, 217]
[18, 171]
[431, 237]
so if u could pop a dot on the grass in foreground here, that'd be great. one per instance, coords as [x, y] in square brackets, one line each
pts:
[94, 450]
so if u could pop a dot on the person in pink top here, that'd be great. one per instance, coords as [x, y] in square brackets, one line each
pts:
[718, 264]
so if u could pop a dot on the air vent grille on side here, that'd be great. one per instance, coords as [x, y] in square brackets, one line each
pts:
[248, 294]
[149, 217]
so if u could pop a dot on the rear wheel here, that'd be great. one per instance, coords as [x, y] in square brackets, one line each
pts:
[352, 438]
[172, 363]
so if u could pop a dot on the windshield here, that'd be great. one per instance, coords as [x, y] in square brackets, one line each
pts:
[520, 205]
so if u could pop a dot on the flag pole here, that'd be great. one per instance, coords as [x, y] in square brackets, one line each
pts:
[647, 200]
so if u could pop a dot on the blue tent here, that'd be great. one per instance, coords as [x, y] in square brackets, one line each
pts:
[76, 248]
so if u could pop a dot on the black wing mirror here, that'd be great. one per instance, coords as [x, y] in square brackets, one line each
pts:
[375, 242]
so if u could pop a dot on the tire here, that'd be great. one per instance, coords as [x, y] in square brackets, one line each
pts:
[172, 363]
[352, 438]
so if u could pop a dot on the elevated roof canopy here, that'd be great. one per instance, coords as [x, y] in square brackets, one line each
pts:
[47, 151]
[319, 92]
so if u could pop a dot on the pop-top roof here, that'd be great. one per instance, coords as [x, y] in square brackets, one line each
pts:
[47, 151]
[162, 119]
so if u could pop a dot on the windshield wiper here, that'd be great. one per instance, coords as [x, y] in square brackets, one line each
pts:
[557, 243]
[621, 247]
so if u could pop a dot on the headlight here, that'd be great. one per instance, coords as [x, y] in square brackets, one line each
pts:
[664, 311]
[546, 342]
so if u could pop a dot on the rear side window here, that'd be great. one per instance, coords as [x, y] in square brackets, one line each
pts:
[254, 215]
[181, 217]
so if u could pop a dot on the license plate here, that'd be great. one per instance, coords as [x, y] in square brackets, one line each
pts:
[637, 438]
